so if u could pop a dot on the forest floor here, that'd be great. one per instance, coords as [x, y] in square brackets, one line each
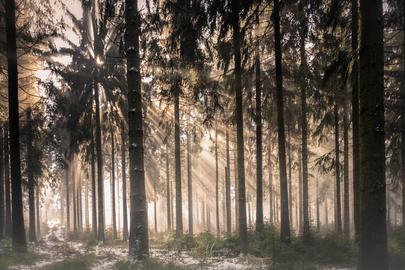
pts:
[52, 252]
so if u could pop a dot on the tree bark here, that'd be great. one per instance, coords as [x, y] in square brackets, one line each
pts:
[373, 235]
[259, 149]
[31, 181]
[190, 184]
[168, 191]
[38, 215]
[239, 125]
[18, 230]
[346, 198]
[179, 201]
[138, 239]
[2, 216]
[124, 184]
[113, 204]
[228, 188]
[93, 179]
[355, 119]
[285, 223]
[403, 118]
[7, 189]
[217, 182]
[271, 190]
[338, 207]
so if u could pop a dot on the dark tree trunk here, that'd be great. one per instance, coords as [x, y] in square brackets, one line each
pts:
[373, 234]
[228, 187]
[2, 220]
[216, 183]
[93, 180]
[113, 206]
[179, 202]
[124, 185]
[318, 221]
[301, 223]
[346, 199]
[235, 169]
[31, 181]
[138, 239]
[67, 197]
[190, 185]
[355, 119]
[304, 123]
[74, 200]
[285, 223]
[168, 191]
[86, 204]
[7, 189]
[288, 148]
[271, 190]
[403, 118]
[338, 207]
[18, 230]
[38, 215]
[259, 149]
[239, 126]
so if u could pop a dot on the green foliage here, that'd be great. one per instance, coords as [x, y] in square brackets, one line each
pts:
[396, 248]
[88, 238]
[77, 263]
[9, 258]
[149, 264]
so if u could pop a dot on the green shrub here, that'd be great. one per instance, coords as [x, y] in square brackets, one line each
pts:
[77, 263]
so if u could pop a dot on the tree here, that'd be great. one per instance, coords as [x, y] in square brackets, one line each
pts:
[124, 184]
[18, 231]
[2, 220]
[285, 224]
[373, 235]
[31, 181]
[138, 238]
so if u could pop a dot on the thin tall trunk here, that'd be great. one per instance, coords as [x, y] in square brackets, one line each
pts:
[31, 181]
[235, 169]
[124, 184]
[190, 184]
[259, 149]
[288, 146]
[216, 182]
[346, 199]
[7, 189]
[373, 234]
[38, 213]
[304, 123]
[318, 221]
[355, 119]
[138, 239]
[93, 180]
[113, 204]
[168, 191]
[67, 197]
[271, 190]
[326, 212]
[179, 202]
[228, 187]
[300, 193]
[285, 223]
[99, 153]
[239, 125]
[155, 207]
[74, 197]
[338, 207]
[2, 220]
[403, 118]
[86, 204]
[18, 231]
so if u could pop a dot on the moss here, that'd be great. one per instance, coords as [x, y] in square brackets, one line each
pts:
[83, 262]
[9, 258]
[150, 264]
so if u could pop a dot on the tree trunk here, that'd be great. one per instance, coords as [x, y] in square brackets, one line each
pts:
[373, 235]
[124, 184]
[301, 223]
[318, 221]
[288, 146]
[235, 169]
[2, 220]
[403, 118]
[179, 202]
[304, 123]
[113, 206]
[93, 180]
[190, 184]
[228, 187]
[168, 191]
[155, 207]
[67, 197]
[271, 190]
[86, 202]
[74, 197]
[7, 190]
[259, 149]
[239, 126]
[38, 215]
[338, 211]
[216, 182]
[138, 239]
[18, 230]
[285, 224]
[31, 181]
[346, 198]
[355, 119]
